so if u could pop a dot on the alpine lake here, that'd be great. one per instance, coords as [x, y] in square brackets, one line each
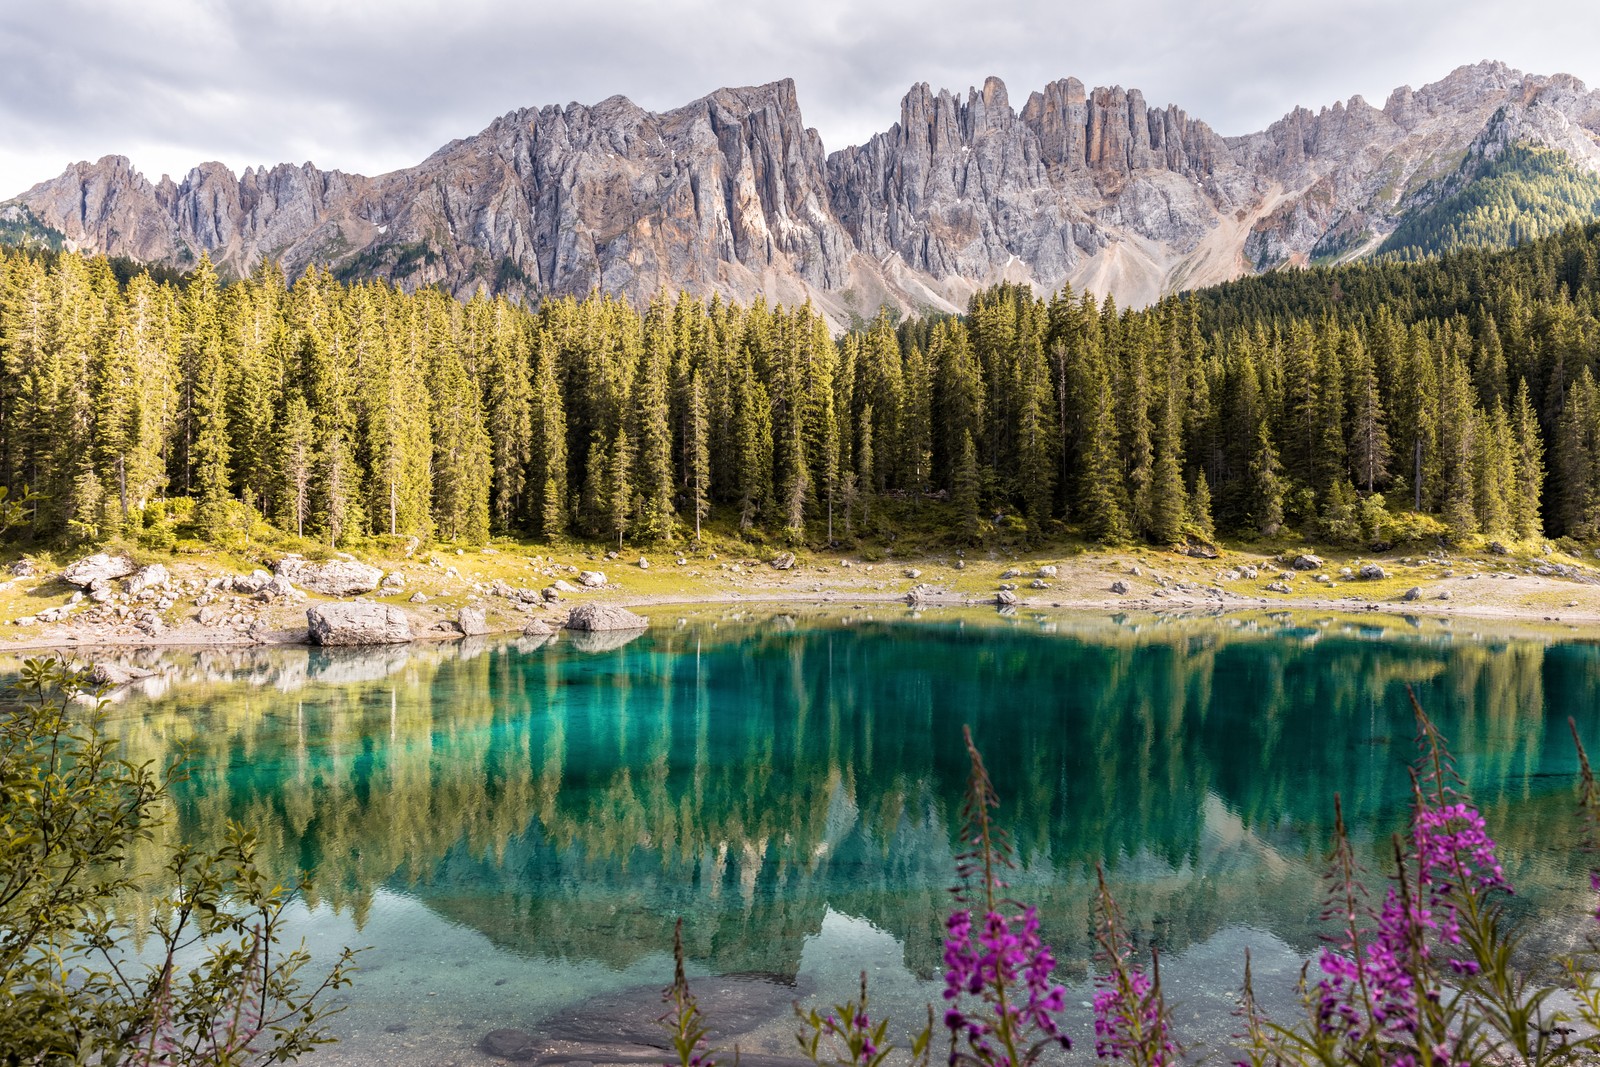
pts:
[514, 826]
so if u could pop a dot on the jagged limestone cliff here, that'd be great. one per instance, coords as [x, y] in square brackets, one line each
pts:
[733, 193]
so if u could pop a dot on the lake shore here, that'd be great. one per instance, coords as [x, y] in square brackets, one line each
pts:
[213, 603]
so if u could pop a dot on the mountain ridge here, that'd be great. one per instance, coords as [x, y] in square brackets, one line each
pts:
[733, 193]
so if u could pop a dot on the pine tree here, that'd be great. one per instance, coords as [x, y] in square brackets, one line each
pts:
[1529, 467]
[1369, 437]
[964, 497]
[296, 451]
[1199, 517]
[548, 464]
[1266, 484]
[1100, 506]
[619, 490]
[697, 454]
[652, 413]
[1168, 500]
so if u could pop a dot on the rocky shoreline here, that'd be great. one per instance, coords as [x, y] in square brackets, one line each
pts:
[110, 600]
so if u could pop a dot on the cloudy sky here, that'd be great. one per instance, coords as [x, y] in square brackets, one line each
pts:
[370, 85]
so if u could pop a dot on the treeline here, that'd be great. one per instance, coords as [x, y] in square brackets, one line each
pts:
[1377, 403]
[1524, 193]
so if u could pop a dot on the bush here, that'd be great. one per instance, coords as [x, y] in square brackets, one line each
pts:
[220, 990]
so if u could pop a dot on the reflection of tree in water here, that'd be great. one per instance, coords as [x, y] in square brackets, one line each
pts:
[571, 804]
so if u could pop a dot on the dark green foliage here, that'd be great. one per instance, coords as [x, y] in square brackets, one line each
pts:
[1458, 389]
[1523, 193]
[214, 985]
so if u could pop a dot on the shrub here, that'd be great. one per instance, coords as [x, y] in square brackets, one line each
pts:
[221, 989]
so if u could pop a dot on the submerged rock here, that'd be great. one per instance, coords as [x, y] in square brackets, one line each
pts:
[509, 1044]
[113, 675]
[357, 624]
[733, 1004]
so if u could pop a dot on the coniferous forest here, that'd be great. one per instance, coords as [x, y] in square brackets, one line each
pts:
[1385, 402]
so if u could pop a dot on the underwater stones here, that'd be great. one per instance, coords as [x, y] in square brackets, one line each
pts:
[508, 1044]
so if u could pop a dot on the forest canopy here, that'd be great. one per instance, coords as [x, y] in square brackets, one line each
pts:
[1380, 402]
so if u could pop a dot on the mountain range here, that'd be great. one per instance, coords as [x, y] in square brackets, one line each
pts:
[733, 193]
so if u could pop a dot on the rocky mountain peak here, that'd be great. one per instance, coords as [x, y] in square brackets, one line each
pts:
[734, 193]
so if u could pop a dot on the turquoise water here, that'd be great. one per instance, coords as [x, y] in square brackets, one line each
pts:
[514, 827]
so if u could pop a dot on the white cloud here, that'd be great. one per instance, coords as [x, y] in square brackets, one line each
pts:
[369, 85]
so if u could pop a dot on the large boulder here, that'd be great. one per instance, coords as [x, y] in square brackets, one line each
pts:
[473, 621]
[1307, 562]
[336, 577]
[783, 561]
[357, 624]
[592, 579]
[595, 617]
[100, 567]
[154, 576]
[1371, 572]
[278, 588]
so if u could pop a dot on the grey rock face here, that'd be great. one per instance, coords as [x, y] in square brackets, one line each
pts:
[100, 567]
[604, 617]
[357, 624]
[339, 577]
[733, 194]
[473, 621]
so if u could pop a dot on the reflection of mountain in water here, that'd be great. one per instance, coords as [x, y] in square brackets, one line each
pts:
[571, 804]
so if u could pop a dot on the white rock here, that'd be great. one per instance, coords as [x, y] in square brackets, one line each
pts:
[100, 567]
[604, 617]
[358, 624]
[343, 577]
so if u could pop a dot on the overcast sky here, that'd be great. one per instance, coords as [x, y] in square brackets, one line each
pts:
[371, 85]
